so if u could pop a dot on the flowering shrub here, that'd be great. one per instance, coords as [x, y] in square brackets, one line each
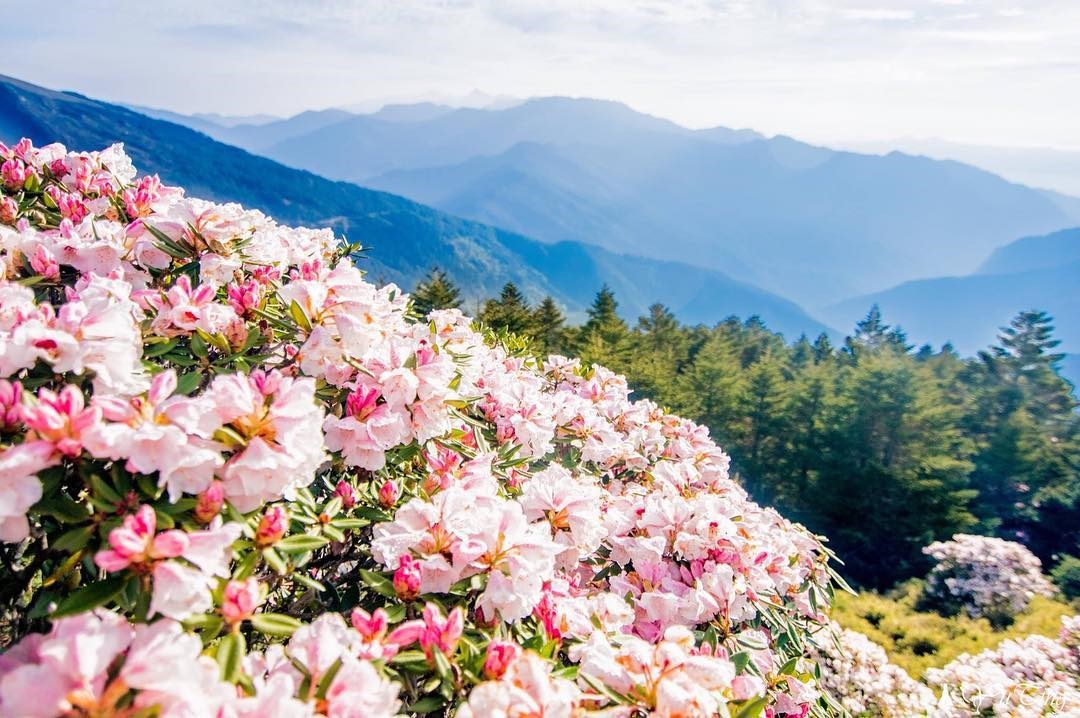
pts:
[984, 576]
[236, 479]
[857, 673]
[1029, 677]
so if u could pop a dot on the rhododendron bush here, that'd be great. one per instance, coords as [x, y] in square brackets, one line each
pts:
[236, 479]
[857, 672]
[1026, 678]
[984, 576]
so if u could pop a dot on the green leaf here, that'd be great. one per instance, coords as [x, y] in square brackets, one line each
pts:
[275, 624]
[309, 582]
[751, 709]
[427, 704]
[74, 539]
[378, 583]
[198, 347]
[187, 383]
[333, 507]
[298, 315]
[395, 613]
[62, 508]
[246, 566]
[158, 348]
[413, 661]
[301, 543]
[273, 560]
[332, 533]
[741, 660]
[105, 491]
[90, 597]
[230, 655]
[349, 524]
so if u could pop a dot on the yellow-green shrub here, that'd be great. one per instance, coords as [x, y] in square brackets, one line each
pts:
[917, 640]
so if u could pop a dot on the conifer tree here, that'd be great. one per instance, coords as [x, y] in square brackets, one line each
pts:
[823, 348]
[873, 334]
[659, 352]
[510, 312]
[763, 424]
[605, 335]
[435, 291]
[1023, 419]
[548, 330]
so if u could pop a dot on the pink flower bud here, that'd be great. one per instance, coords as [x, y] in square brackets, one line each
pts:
[388, 493]
[407, 578]
[209, 503]
[10, 403]
[240, 600]
[244, 298]
[13, 173]
[272, 527]
[347, 493]
[9, 210]
[44, 263]
[500, 654]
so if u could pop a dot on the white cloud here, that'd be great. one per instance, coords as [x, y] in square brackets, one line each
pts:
[878, 13]
[974, 70]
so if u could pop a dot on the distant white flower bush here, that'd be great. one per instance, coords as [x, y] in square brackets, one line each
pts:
[1025, 678]
[857, 673]
[984, 576]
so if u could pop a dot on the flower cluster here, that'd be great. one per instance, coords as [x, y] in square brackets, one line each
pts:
[857, 673]
[1026, 678]
[984, 576]
[237, 479]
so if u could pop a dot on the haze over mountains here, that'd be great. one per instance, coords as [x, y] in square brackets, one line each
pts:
[1045, 167]
[406, 238]
[1031, 273]
[810, 223]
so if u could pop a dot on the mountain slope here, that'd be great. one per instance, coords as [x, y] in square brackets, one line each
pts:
[367, 145]
[810, 223]
[406, 238]
[968, 311]
[1049, 167]
[1028, 253]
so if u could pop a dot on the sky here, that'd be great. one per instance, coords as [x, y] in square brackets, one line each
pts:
[1002, 72]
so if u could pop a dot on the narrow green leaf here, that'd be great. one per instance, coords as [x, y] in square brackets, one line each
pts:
[74, 539]
[301, 543]
[230, 655]
[275, 624]
[273, 560]
[378, 583]
[751, 709]
[90, 597]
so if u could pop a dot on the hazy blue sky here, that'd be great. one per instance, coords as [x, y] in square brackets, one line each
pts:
[989, 71]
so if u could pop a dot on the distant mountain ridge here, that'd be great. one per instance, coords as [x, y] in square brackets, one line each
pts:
[1030, 253]
[1030, 273]
[1043, 167]
[807, 222]
[407, 238]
